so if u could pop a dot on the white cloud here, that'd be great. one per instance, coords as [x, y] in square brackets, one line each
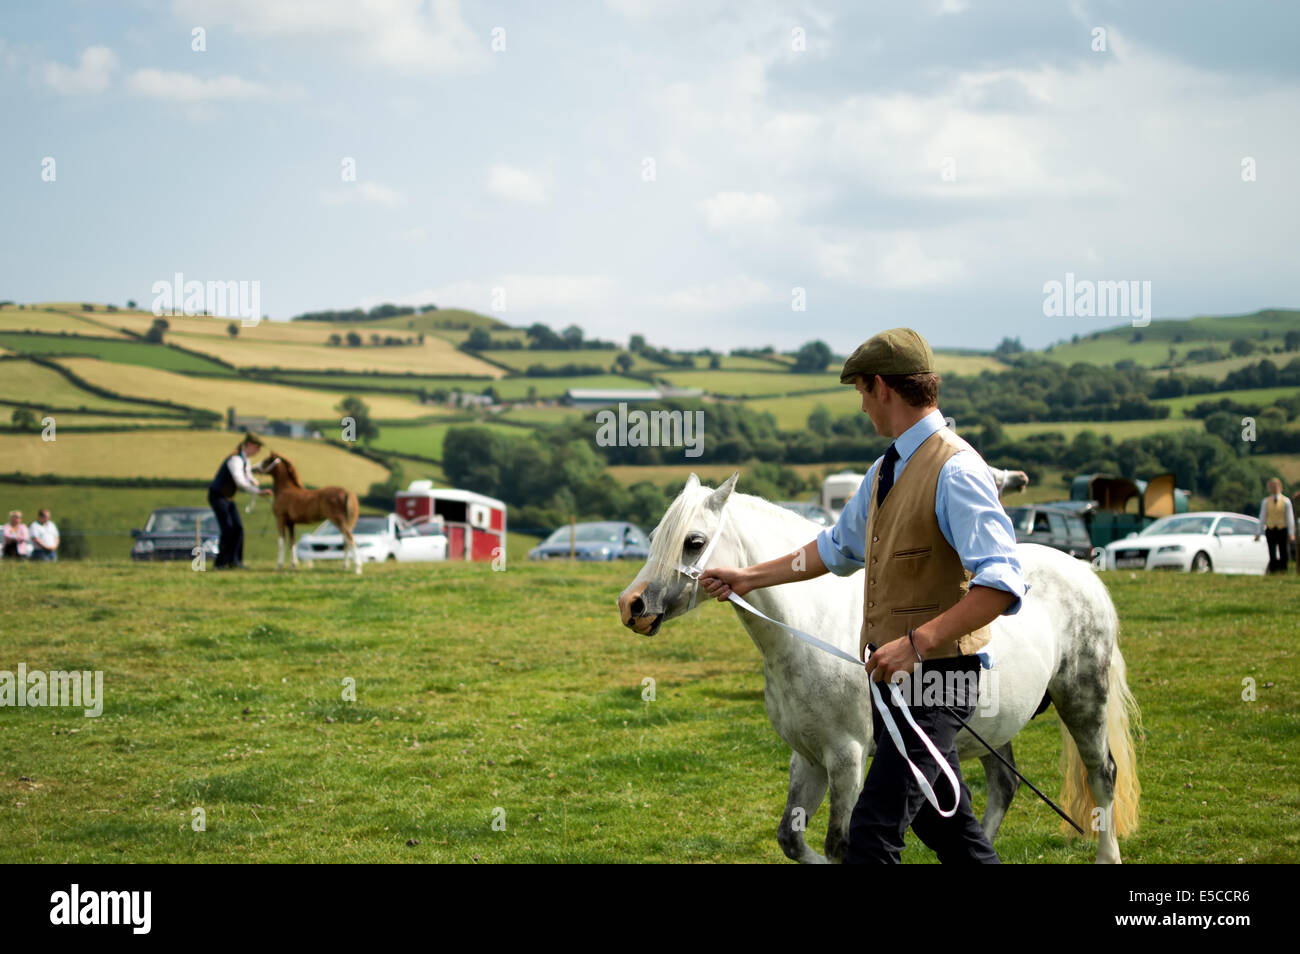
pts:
[371, 193]
[514, 184]
[733, 209]
[524, 294]
[92, 73]
[408, 36]
[886, 260]
[731, 293]
[187, 88]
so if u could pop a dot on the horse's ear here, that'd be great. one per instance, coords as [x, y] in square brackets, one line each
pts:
[719, 497]
[691, 483]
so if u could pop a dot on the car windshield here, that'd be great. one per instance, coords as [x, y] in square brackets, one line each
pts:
[1021, 518]
[181, 521]
[589, 533]
[1184, 523]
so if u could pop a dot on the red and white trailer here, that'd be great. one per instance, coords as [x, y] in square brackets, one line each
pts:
[475, 525]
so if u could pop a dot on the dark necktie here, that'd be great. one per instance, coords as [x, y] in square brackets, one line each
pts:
[886, 479]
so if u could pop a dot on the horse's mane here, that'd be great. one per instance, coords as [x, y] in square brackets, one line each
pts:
[683, 513]
[290, 471]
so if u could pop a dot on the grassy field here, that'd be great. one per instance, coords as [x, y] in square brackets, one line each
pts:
[40, 319]
[435, 356]
[29, 383]
[138, 353]
[189, 454]
[426, 440]
[754, 383]
[64, 419]
[791, 413]
[247, 397]
[596, 357]
[1258, 397]
[1119, 430]
[225, 692]
[509, 389]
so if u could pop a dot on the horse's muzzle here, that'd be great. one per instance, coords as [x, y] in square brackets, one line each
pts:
[636, 614]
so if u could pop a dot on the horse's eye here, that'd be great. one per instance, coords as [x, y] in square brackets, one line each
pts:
[694, 541]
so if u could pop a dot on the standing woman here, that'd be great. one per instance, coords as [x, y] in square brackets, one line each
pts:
[233, 475]
[17, 539]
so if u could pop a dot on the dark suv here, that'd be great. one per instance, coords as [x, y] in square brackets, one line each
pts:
[1055, 527]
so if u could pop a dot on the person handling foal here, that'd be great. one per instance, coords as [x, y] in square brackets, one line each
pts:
[233, 475]
[941, 564]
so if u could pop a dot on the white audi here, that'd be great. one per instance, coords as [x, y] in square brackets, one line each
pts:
[1202, 542]
[378, 538]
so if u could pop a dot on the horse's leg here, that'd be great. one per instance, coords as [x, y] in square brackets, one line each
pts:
[844, 772]
[293, 550]
[279, 556]
[351, 544]
[1002, 785]
[807, 788]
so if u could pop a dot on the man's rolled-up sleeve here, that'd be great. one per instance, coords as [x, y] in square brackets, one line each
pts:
[975, 524]
[841, 545]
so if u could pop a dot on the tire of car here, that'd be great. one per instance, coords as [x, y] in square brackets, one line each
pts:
[391, 557]
[1201, 563]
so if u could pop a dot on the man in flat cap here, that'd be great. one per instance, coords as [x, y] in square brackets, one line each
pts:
[233, 475]
[940, 558]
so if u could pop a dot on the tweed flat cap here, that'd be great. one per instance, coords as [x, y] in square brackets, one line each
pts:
[896, 351]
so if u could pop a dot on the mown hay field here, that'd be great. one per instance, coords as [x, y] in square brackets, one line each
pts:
[187, 454]
[247, 397]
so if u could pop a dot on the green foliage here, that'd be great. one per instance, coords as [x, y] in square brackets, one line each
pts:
[812, 358]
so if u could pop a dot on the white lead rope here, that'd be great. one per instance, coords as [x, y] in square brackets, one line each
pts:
[696, 570]
[890, 726]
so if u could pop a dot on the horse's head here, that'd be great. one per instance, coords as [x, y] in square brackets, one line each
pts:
[279, 468]
[660, 591]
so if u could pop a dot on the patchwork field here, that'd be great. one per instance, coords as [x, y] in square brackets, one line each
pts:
[1261, 397]
[600, 358]
[1119, 430]
[224, 692]
[435, 356]
[52, 322]
[125, 352]
[189, 454]
[29, 383]
[247, 397]
[427, 440]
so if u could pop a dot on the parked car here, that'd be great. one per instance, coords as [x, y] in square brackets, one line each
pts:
[169, 534]
[595, 541]
[1197, 542]
[1056, 527]
[810, 511]
[378, 538]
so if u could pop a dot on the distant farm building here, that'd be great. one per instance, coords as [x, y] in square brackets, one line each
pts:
[267, 427]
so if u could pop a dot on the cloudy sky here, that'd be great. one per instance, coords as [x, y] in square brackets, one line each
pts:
[677, 168]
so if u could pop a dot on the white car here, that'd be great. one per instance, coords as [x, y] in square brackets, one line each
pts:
[377, 538]
[1198, 542]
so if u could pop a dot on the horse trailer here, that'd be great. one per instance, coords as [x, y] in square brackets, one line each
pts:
[475, 525]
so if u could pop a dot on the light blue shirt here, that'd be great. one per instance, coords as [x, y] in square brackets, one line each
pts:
[966, 504]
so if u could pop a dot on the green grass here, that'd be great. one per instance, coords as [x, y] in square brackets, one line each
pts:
[224, 692]
[1258, 397]
[26, 382]
[1119, 430]
[427, 440]
[755, 383]
[524, 358]
[117, 351]
[510, 389]
[791, 413]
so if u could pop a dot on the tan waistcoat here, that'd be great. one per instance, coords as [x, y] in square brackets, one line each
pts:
[1275, 513]
[912, 574]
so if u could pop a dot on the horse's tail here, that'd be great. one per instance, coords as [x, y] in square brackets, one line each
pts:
[351, 508]
[1122, 718]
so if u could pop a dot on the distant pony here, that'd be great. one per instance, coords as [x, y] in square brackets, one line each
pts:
[294, 504]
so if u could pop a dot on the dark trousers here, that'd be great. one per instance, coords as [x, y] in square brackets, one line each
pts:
[891, 798]
[1278, 545]
[230, 549]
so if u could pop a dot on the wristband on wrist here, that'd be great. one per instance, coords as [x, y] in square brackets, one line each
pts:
[913, 642]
